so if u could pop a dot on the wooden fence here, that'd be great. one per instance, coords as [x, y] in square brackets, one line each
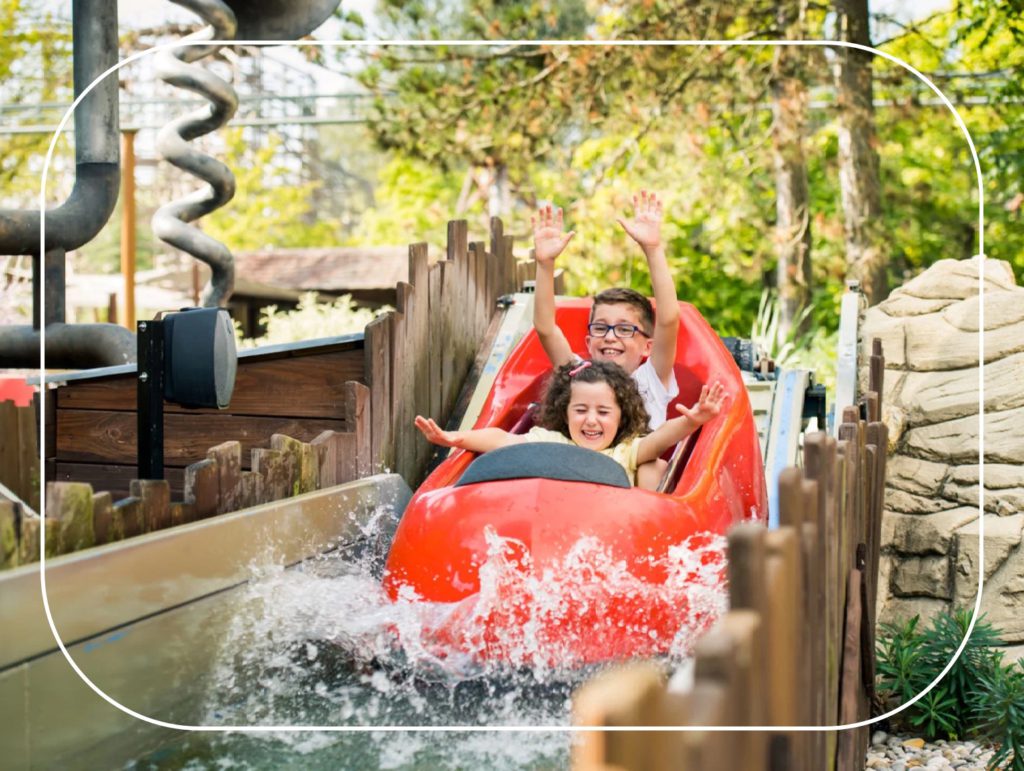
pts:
[77, 517]
[797, 645]
[19, 451]
[348, 401]
[418, 357]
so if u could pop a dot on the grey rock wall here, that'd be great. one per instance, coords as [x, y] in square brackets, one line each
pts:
[931, 335]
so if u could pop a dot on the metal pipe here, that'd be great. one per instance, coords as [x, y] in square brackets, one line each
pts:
[68, 346]
[92, 199]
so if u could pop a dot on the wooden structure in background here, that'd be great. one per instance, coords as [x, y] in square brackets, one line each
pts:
[797, 645]
[350, 401]
[19, 451]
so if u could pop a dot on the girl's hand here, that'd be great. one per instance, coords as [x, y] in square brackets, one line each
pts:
[709, 405]
[435, 435]
[645, 227]
[549, 236]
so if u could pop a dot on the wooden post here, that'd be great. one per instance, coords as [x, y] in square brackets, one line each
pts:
[377, 357]
[357, 421]
[128, 226]
[632, 695]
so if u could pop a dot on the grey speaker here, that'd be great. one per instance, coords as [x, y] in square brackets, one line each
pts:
[200, 357]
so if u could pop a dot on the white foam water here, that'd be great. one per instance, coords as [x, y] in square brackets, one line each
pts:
[321, 644]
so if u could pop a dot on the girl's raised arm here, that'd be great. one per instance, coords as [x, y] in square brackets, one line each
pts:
[710, 404]
[474, 440]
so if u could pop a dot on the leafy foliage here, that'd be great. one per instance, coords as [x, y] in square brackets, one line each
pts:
[273, 206]
[979, 696]
[312, 319]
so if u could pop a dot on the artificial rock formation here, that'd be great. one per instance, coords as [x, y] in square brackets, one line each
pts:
[930, 331]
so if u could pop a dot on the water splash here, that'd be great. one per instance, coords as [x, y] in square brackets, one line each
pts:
[321, 644]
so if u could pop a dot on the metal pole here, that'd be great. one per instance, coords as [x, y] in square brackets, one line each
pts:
[150, 394]
[128, 226]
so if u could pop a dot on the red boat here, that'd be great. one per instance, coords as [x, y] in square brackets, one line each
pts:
[539, 500]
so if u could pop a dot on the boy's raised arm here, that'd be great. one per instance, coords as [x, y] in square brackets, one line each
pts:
[549, 240]
[645, 229]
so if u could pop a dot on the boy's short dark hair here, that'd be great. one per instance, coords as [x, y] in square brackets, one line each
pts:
[623, 296]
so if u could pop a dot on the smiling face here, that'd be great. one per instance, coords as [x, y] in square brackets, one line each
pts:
[593, 415]
[628, 352]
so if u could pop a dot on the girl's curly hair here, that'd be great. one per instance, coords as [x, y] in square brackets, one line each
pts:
[554, 410]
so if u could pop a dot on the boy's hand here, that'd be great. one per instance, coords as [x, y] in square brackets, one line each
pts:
[435, 435]
[708, 405]
[549, 238]
[645, 227]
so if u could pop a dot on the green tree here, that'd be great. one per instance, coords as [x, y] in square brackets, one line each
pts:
[271, 207]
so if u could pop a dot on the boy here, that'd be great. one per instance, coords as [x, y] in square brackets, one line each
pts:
[622, 325]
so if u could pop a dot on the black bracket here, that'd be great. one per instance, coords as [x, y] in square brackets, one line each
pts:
[150, 394]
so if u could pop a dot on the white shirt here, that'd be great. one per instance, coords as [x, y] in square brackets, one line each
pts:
[656, 397]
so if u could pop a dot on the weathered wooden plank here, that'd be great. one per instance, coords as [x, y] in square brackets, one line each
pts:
[182, 513]
[278, 471]
[297, 386]
[852, 744]
[98, 436]
[155, 501]
[127, 517]
[726, 654]
[509, 284]
[402, 375]
[250, 485]
[301, 459]
[28, 539]
[202, 488]
[876, 378]
[450, 386]
[631, 696]
[326, 447]
[746, 567]
[476, 286]
[113, 478]
[357, 415]
[378, 366]
[435, 342]
[784, 615]
[228, 457]
[70, 505]
[9, 449]
[495, 261]
[9, 535]
[421, 355]
[103, 519]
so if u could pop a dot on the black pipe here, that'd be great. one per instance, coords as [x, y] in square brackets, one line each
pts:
[68, 346]
[97, 150]
[76, 221]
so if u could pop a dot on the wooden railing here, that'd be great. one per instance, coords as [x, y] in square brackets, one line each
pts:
[797, 645]
[418, 357]
[347, 403]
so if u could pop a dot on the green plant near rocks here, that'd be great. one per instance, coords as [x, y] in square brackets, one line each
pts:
[980, 697]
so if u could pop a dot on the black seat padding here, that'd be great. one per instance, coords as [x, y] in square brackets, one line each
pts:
[546, 460]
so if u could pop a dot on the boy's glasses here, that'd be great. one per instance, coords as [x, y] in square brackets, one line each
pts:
[599, 329]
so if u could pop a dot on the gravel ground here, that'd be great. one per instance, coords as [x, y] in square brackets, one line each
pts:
[893, 752]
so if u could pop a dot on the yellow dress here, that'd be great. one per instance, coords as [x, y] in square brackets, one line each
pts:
[623, 453]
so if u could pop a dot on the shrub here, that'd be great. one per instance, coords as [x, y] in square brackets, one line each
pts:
[311, 320]
[978, 697]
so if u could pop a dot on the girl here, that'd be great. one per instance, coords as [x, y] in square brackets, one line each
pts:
[596, 405]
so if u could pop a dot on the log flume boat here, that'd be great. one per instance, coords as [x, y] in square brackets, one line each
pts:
[544, 551]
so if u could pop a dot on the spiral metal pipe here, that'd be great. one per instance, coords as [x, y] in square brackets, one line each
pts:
[171, 221]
